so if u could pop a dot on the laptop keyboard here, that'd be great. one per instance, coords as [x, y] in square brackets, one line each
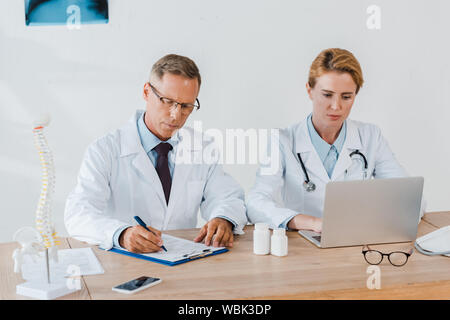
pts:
[318, 238]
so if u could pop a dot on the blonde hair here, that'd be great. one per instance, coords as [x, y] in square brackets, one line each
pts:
[338, 60]
[178, 65]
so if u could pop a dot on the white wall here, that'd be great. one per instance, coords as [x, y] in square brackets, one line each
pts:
[254, 58]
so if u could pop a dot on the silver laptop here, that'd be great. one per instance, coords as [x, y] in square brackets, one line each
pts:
[369, 212]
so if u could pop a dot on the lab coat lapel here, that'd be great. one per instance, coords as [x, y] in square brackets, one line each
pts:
[148, 172]
[186, 157]
[304, 146]
[352, 142]
[130, 145]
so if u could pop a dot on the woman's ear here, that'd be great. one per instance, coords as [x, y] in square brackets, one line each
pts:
[309, 90]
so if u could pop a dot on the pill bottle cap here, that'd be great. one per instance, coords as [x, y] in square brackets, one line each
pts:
[261, 226]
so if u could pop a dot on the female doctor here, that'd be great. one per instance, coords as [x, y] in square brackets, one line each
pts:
[326, 146]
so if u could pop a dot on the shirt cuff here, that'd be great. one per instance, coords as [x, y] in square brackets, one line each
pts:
[117, 235]
[285, 223]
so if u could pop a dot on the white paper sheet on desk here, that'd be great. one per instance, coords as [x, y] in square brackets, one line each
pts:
[70, 261]
[179, 249]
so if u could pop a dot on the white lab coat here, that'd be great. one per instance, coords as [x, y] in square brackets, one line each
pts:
[117, 181]
[281, 195]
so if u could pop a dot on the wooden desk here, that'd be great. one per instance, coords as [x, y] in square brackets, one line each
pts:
[437, 219]
[306, 273]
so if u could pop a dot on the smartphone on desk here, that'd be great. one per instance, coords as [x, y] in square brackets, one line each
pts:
[136, 285]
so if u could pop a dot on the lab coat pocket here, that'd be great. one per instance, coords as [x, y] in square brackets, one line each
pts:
[194, 192]
[354, 172]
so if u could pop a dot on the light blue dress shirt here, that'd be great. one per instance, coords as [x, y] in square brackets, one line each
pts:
[149, 141]
[328, 154]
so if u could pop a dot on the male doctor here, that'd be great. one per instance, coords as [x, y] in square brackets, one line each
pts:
[154, 168]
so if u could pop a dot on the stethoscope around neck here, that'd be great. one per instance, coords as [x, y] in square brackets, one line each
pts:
[311, 186]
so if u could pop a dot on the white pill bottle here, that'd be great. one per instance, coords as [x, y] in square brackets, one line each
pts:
[279, 243]
[261, 239]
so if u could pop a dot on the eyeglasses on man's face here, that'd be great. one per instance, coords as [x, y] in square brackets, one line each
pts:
[396, 258]
[186, 108]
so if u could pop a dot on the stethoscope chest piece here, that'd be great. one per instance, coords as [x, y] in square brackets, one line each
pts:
[309, 186]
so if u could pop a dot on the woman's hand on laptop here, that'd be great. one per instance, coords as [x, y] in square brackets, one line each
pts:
[305, 222]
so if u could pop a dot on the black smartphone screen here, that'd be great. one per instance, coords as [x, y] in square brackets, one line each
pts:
[136, 283]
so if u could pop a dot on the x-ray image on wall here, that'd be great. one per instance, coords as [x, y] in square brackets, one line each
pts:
[72, 13]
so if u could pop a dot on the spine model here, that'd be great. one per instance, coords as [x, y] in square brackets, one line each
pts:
[43, 212]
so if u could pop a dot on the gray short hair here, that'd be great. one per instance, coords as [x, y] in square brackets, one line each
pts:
[178, 65]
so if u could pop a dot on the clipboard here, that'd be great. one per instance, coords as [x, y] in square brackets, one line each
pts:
[190, 251]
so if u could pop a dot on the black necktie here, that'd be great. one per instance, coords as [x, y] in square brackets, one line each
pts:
[162, 167]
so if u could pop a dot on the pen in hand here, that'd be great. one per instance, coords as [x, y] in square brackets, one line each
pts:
[141, 223]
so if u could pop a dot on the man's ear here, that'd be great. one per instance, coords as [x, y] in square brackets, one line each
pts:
[146, 91]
